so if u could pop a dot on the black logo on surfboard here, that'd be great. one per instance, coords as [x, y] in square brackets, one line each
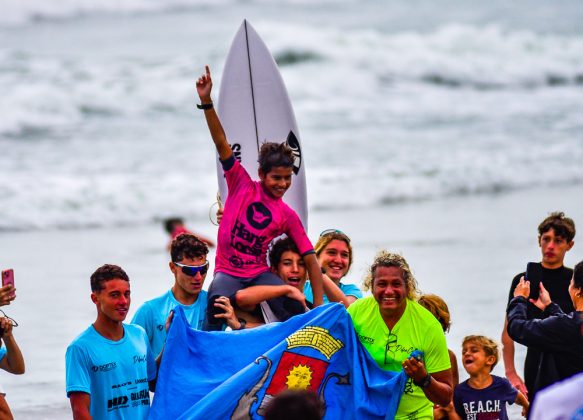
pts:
[236, 148]
[258, 215]
[294, 144]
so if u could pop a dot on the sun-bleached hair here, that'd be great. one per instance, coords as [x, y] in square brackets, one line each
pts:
[388, 259]
[489, 346]
[437, 306]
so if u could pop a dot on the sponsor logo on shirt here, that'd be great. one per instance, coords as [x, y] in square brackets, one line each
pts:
[121, 385]
[117, 402]
[366, 340]
[139, 359]
[247, 242]
[258, 215]
[104, 368]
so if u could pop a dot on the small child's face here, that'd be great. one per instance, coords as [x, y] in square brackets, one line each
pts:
[475, 360]
[277, 181]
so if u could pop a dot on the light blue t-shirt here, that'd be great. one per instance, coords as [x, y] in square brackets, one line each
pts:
[2, 352]
[114, 373]
[347, 289]
[152, 316]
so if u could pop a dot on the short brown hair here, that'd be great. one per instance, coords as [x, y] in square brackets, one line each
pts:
[562, 225]
[490, 346]
[273, 155]
[187, 245]
[438, 308]
[388, 259]
[105, 273]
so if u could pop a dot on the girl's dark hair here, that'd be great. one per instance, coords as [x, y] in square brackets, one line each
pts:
[578, 275]
[105, 273]
[272, 155]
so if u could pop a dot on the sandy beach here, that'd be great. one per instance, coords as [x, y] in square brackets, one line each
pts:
[464, 249]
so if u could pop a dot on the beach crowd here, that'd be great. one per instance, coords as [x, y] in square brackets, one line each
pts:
[267, 270]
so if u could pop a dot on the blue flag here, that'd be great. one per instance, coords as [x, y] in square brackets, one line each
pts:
[233, 375]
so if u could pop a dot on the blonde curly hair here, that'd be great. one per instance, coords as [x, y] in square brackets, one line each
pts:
[388, 259]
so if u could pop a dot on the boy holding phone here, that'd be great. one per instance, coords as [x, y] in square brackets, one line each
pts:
[555, 238]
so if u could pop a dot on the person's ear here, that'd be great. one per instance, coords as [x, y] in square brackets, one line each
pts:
[261, 174]
[93, 297]
[570, 245]
[172, 267]
[490, 360]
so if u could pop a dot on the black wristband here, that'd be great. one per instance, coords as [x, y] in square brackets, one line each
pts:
[425, 382]
[205, 106]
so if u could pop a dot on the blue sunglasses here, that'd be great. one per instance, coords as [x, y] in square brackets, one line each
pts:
[192, 270]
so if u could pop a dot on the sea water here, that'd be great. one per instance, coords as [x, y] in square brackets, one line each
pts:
[436, 129]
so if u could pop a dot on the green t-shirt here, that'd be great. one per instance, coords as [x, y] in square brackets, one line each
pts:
[416, 330]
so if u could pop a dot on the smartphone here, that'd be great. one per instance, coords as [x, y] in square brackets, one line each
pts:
[8, 277]
[529, 270]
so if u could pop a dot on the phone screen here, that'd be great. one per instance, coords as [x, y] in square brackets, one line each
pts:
[8, 277]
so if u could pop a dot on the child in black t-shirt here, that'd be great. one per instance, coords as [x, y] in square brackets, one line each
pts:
[483, 396]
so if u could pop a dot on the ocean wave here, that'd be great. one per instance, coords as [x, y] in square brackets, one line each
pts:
[453, 56]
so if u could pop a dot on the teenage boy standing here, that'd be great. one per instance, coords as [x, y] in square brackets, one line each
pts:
[189, 266]
[110, 368]
[555, 238]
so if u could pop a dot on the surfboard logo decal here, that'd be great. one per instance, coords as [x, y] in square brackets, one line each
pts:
[294, 144]
[236, 148]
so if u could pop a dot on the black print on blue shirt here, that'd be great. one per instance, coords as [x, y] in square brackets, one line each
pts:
[258, 215]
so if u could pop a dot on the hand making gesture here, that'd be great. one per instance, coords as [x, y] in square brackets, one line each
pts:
[204, 85]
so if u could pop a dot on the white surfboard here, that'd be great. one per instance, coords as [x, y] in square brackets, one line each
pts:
[254, 108]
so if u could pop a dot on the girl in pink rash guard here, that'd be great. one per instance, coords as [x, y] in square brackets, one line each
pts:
[254, 215]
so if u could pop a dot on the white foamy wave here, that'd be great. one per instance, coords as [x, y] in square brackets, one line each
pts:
[486, 57]
[15, 12]
[56, 95]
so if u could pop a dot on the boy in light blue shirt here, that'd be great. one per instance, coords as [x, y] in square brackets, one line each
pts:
[189, 266]
[110, 368]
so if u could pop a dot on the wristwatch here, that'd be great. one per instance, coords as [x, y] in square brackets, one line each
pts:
[243, 323]
[425, 382]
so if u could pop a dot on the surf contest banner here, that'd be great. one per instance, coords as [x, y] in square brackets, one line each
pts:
[234, 375]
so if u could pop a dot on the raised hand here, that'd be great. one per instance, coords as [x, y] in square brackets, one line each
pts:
[522, 288]
[7, 294]
[204, 85]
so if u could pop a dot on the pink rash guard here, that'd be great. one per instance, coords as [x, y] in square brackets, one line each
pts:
[251, 220]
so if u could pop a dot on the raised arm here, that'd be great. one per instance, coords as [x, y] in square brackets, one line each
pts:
[204, 86]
